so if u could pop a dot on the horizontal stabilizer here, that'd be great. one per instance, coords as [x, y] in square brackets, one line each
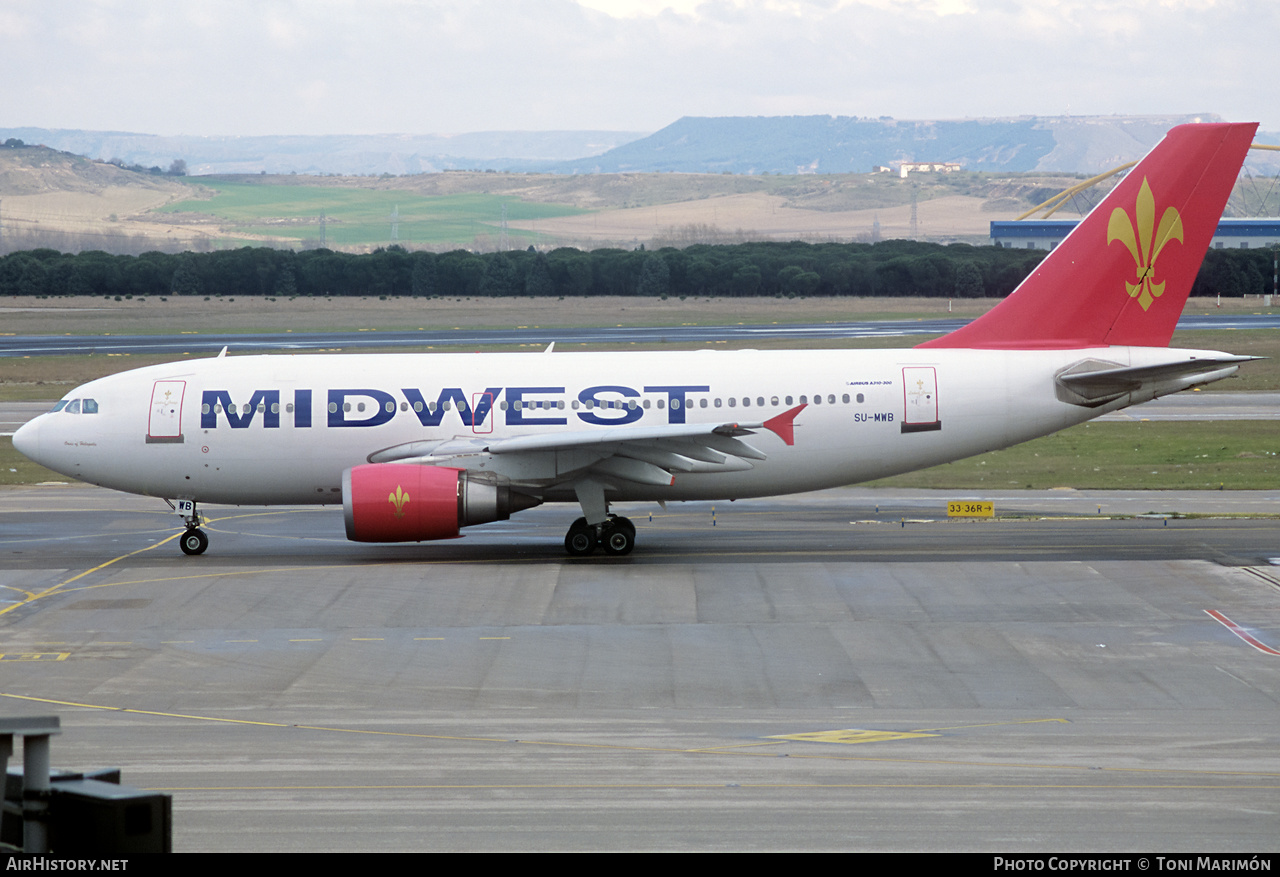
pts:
[1096, 383]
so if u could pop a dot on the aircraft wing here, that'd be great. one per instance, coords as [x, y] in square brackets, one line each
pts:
[642, 454]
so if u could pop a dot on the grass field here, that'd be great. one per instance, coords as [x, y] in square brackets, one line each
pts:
[356, 217]
[46, 378]
[447, 210]
[17, 469]
[1232, 455]
[97, 316]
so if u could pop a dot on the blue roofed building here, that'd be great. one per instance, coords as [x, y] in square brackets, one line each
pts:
[1045, 234]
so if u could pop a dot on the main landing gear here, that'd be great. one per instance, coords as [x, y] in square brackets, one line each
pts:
[194, 540]
[616, 535]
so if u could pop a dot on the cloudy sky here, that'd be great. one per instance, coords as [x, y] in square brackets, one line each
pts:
[240, 67]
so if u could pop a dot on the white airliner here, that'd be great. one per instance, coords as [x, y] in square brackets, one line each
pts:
[416, 446]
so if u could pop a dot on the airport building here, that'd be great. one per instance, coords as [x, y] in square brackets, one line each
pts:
[1045, 234]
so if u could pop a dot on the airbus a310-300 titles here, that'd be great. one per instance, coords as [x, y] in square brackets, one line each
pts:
[417, 446]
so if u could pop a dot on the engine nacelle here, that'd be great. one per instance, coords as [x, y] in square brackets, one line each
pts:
[400, 502]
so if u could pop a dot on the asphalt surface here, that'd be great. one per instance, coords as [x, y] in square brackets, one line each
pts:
[844, 670]
[848, 670]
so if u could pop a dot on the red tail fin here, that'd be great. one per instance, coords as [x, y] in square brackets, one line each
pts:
[1123, 275]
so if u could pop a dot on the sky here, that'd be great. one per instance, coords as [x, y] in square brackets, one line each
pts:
[252, 67]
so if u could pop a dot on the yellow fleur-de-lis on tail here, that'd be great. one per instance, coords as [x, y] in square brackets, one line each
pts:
[398, 499]
[1144, 241]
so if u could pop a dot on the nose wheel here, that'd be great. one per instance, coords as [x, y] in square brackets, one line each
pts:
[194, 541]
[617, 536]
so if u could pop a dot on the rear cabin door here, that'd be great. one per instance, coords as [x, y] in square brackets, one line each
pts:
[920, 399]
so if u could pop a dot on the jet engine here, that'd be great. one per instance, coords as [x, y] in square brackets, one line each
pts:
[400, 502]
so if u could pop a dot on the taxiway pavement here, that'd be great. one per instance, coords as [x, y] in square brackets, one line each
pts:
[778, 674]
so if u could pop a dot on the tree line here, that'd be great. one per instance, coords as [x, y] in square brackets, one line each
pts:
[886, 268]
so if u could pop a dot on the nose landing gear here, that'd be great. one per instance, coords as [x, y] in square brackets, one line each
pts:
[194, 540]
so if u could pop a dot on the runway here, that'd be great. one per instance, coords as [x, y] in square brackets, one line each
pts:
[842, 670]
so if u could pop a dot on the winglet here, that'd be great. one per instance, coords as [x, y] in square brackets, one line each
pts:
[783, 426]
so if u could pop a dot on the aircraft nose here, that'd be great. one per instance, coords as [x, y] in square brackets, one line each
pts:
[27, 439]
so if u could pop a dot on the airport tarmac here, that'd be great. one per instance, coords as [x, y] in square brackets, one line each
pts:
[844, 670]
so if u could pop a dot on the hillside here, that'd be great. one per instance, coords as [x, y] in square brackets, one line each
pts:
[843, 144]
[333, 154]
[739, 145]
[64, 201]
[54, 199]
[823, 144]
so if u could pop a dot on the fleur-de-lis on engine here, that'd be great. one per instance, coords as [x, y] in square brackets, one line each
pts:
[398, 499]
[1144, 241]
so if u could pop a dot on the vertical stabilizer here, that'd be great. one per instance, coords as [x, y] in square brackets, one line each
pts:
[1124, 273]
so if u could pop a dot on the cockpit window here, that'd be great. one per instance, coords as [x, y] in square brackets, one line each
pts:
[76, 406]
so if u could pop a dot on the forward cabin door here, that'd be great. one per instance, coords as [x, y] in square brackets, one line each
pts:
[164, 424]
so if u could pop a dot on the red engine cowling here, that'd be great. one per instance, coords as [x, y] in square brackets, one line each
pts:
[398, 502]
